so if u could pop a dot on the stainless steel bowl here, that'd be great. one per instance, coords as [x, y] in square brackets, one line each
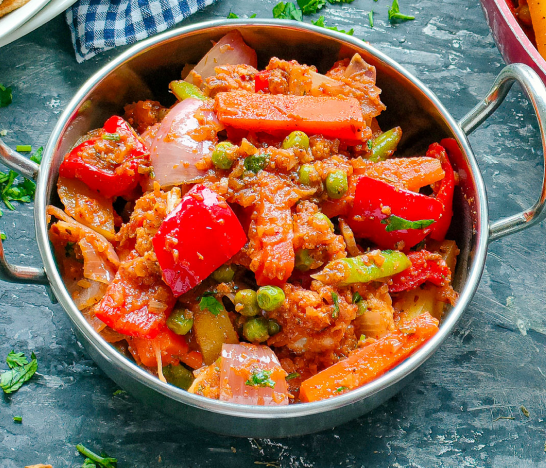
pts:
[144, 71]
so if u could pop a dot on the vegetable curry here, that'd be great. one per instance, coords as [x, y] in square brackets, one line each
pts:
[258, 242]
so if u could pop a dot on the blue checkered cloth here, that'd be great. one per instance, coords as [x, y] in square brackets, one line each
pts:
[98, 25]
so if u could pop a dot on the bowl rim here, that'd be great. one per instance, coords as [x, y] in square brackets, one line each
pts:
[123, 364]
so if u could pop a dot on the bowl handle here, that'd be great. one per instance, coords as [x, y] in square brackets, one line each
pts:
[16, 273]
[535, 90]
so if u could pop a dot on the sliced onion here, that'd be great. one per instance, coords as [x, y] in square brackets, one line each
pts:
[95, 266]
[174, 152]
[239, 362]
[230, 50]
[323, 84]
[85, 297]
[358, 65]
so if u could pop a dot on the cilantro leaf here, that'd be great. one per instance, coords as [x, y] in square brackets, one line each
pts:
[261, 378]
[293, 375]
[12, 380]
[96, 460]
[370, 19]
[18, 419]
[232, 16]
[308, 7]
[335, 298]
[256, 162]
[320, 22]
[5, 96]
[16, 359]
[213, 305]
[287, 11]
[253, 15]
[356, 298]
[341, 389]
[395, 16]
[395, 223]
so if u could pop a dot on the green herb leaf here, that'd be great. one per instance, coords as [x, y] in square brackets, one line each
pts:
[293, 375]
[94, 459]
[341, 1]
[23, 148]
[260, 378]
[335, 298]
[341, 389]
[5, 96]
[395, 223]
[3, 235]
[232, 16]
[525, 411]
[18, 419]
[320, 22]
[370, 19]
[356, 298]
[37, 156]
[395, 16]
[308, 7]
[12, 380]
[253, 15]
[111, 136]
[213, 305]
[119, 392]
[16, 359]
[256, 163]
[287, 11]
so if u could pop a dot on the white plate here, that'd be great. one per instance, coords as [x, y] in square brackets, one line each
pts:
[52, 9]
[16, 18]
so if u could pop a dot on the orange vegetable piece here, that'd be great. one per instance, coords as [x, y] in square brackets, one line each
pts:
[537, 8]
[173, 347]
[368, 363]
[332, 117]
[194, 359]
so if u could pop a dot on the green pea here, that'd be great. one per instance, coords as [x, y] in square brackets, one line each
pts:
[325, 218]
[308, 175]
[224, 274]
[256, 330]
[296, 139]
[246, 302]
[270, 297]
[180, 321]
[336, 184]
[273, 327]
[178, 376]
[223, 154]
[303, 260]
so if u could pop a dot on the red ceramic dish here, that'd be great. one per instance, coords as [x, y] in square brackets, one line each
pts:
[513, 43]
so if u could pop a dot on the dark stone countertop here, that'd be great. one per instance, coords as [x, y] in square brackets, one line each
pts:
[493, 363]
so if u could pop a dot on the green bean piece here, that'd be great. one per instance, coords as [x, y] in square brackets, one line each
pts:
[336, 184]
[255, 330]
[183, 90]
[224, 274]
[273, 327]
[223, 155]
[325, 218]
[308, 175]
[246, 302]
[385, 144]
[180, 321]
[270, 297]
[303, 260]
[362, 269]
[178, 376]
[296, 139]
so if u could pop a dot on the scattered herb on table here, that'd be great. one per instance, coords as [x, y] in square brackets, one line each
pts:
[213, 305]
[119, 391]
[95, 460]
[287, 10]
[341, 1]
[395, 16]
[18, 419]
[23, 148]
[5, 96]
[504, 417]
[308, 7]
[370, 19]
[320, 22]
[261, 378]
[37, 156]
[525, 411]
[395, 223]
[232, 16]
[20, 371]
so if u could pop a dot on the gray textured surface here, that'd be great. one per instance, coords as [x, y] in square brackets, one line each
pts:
[494, 363]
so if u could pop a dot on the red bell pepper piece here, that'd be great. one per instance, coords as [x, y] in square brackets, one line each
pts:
[197, 237]
[375, 201]
[444, 191]
[108, 163]
[425, 266]
[261, 81]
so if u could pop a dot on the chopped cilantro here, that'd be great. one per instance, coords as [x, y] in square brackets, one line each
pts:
[18, 419]
[23, 148]
[256, 163]
[292, 375]
[356, 298]
[96, 460]
[213, 305]
[395, 223]
[260, 378]
[341, 389]
[320, 22]
[253, 15]
[3, 236]
[370, 19]
[37, 156]
[335, 298]
[287, 11]
[16, 359]
[232, 16]
[308, 7]
[5, 96]
[395, 16]
[13, 379]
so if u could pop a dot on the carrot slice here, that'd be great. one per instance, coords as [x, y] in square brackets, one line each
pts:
[538, 17]
[333, 117]
[368, 363]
